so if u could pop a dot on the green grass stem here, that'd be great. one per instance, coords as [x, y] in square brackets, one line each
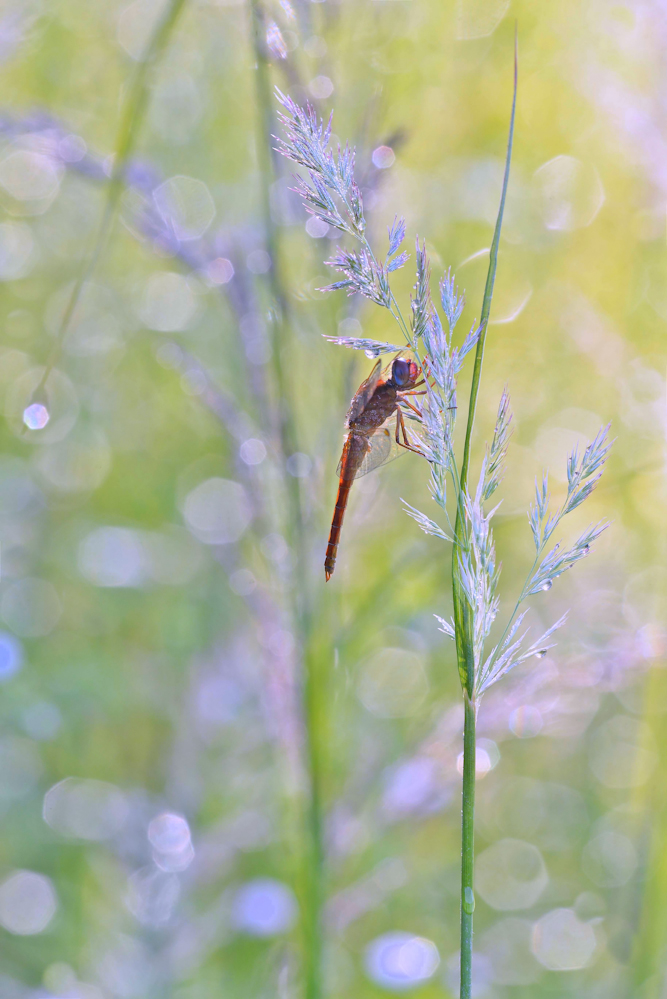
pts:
[462, 613]
[467, 846]
[132, 117]
[312, 703]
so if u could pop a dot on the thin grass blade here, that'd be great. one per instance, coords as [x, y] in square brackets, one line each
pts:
[488, 288]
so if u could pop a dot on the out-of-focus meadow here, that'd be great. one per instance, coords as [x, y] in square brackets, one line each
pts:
[158, 548]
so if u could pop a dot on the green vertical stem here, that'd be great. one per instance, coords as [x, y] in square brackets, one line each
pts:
[313, 889]
[467, 846]
[285, 422]
[265, 126]
[463, 615]
[134, 111]
[312, 707]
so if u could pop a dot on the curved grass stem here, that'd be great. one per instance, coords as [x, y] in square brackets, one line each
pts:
[132, 118]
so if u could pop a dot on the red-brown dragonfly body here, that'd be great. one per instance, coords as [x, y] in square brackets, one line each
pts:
[368, 442]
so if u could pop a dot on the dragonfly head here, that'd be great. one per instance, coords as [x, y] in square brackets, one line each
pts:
[404, 373]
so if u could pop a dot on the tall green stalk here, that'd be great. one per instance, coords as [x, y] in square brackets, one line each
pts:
[312, 707]
[134, 111]
[462, 613]
[313, 890]
[467, 845]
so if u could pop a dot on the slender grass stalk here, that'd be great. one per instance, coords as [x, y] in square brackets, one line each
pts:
[462, 613]
[313, 890]
[488, 288]
[312, 705]
[133, 114]
[468, 844]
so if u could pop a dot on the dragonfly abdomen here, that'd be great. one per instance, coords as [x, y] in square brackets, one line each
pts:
[344, 487]
[354, 452]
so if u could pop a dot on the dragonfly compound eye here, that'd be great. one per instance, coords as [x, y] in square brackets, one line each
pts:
[401, 371]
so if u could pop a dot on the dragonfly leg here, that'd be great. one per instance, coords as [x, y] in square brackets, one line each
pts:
[405, 442]
[410, 406]
[426, 379]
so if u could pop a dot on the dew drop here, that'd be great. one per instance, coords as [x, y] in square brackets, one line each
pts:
[36, 416]
[468, 901]
[541, 654]
[547, 584]
[372, 354]
[586, 549]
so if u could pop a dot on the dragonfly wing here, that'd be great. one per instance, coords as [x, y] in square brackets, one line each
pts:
[364, 393]
[379, 448]
[382, 447]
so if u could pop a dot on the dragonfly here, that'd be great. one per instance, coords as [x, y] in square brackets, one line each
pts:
[369, 441]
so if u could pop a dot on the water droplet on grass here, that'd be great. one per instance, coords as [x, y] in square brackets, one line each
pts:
[547, 584]
[541, 654]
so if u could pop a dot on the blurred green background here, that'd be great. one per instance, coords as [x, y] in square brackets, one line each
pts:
[155, 564]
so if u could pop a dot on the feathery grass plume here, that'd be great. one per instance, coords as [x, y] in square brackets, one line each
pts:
[328, 192]
[275, 41]
[372, 348]
[475, 551]
[421, 300]
[363, 276]
[495, 468]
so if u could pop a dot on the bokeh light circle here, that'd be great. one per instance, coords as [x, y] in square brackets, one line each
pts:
[28, 903]
[393, 683]
[217, 511]
[264, 908]
[400, 961]
[510, 874]
[562, 942]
